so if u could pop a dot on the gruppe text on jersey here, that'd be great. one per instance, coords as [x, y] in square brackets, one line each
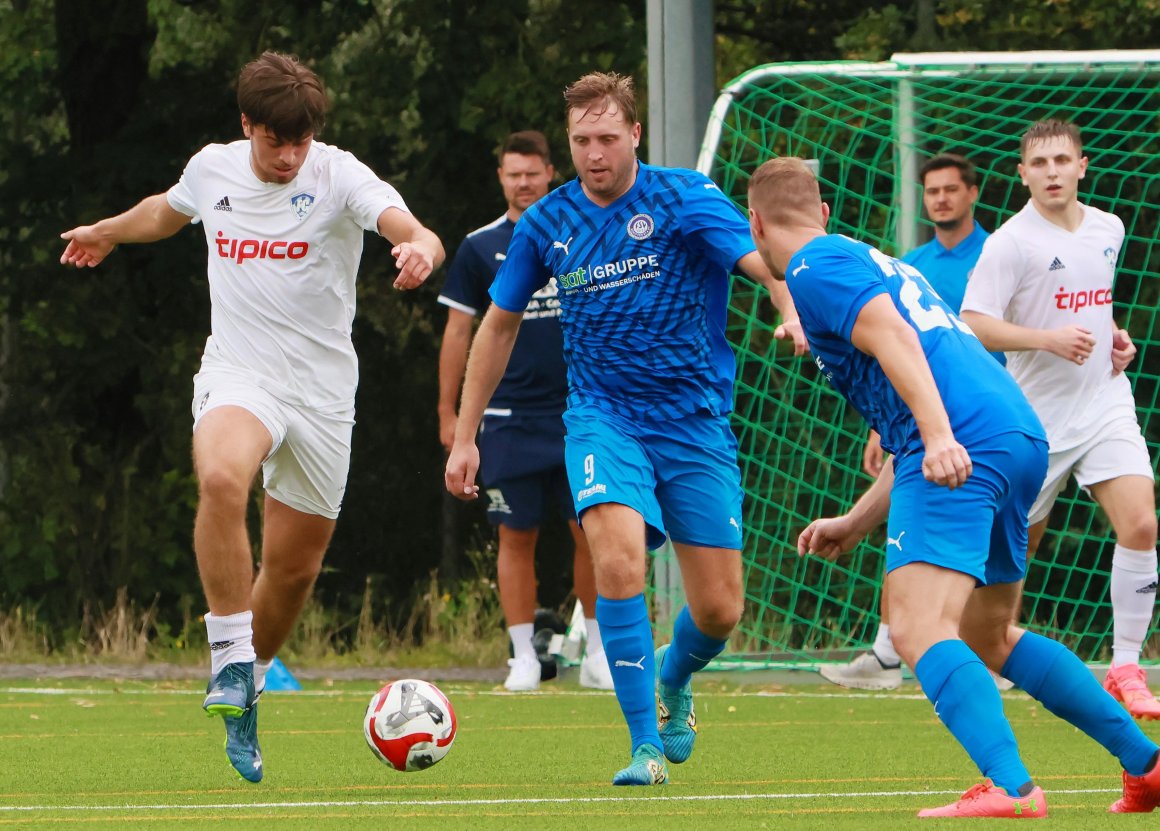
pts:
[589, 274]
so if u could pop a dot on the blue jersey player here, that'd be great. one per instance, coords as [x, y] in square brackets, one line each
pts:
[641, 257]
[949, 191]
[969, 458]
[522, 437]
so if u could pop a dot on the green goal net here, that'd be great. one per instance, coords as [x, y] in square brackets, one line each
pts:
[869, 126]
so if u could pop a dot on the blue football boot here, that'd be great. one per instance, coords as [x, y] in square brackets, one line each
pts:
[676, 720]
[231, 695]
[646, 768]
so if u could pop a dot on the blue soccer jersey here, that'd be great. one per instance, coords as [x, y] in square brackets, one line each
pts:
[831, 278]
[643, 286]
[947, 269]
[535, 382]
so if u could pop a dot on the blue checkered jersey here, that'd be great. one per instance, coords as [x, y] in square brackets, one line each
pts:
[535, 382]
[832, 277]
[643, 286]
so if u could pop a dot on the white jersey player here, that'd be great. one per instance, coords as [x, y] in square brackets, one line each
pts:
[1042, 293]
[284, 219]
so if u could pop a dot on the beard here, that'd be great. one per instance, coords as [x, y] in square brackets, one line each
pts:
[950, 224]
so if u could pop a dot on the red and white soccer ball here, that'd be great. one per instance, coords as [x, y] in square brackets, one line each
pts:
[409, 725]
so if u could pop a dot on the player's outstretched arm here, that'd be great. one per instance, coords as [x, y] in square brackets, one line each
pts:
[754, 267]
[149, 220]
[417, 251]
[490, 352]
[833, 536]
[881, 332]
[1072, 343]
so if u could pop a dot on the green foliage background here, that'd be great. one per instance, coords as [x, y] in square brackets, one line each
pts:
[103, 101]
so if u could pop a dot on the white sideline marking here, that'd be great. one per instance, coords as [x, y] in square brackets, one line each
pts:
[437, 803]
[880, 696]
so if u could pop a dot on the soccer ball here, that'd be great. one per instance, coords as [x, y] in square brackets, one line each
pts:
[409, 725]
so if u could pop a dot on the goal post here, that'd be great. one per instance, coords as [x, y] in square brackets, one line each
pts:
[867, 127]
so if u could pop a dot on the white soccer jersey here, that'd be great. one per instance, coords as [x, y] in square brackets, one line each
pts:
[1036, 274]
[282, 266]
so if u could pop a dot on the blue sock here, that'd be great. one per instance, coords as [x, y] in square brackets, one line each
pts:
[628, 644]
[690, 651]
[965, 698]
[1051, 674]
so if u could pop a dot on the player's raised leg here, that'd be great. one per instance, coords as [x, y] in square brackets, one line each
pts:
[616, 538]
[1130, 504]
[712, 580]
[1053, 675]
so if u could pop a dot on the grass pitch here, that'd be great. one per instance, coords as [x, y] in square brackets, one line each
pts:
[143, 756]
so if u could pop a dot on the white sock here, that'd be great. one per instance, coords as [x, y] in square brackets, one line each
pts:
[231, 639]
[521, 635]
[884, 647]
[595, 643]
[260, 669]
[1133, 592]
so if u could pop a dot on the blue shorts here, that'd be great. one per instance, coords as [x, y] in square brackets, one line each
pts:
[979, 528]
[681, 475]
[522, 469]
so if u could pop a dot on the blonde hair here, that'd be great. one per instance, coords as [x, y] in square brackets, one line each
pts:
[602, 89]
[784, 191]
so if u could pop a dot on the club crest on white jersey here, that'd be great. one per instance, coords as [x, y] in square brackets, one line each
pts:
[301, 204]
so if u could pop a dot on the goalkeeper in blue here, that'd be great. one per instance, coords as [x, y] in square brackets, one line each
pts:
[969, 457]
[640, 257]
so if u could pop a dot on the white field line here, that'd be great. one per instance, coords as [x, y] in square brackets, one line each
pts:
[880, 696]
[440, 803]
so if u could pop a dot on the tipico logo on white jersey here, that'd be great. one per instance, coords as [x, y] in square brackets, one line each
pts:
[301, 204]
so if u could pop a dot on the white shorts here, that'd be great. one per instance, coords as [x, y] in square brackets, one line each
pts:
[310, 457]
[1118, 450]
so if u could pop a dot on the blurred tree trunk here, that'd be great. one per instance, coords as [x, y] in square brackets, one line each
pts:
[103, 48]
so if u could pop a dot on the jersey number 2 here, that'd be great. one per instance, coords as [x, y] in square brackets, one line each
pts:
[914, 288]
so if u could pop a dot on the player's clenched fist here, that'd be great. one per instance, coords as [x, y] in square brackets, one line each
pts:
[459, 475]
[946, 463]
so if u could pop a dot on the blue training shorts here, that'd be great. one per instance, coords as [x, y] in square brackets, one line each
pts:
[681, 475]
[979, 528]
[522, 470]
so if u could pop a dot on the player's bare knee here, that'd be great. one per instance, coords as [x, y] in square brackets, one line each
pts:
[619, 575]
[1137, 531]
[717, 620]
[222, 486]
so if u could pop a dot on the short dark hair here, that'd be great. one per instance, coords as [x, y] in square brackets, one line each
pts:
[280, 94]
[525, 143]
[599, 90]
[1050, 128]
[942, 161]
